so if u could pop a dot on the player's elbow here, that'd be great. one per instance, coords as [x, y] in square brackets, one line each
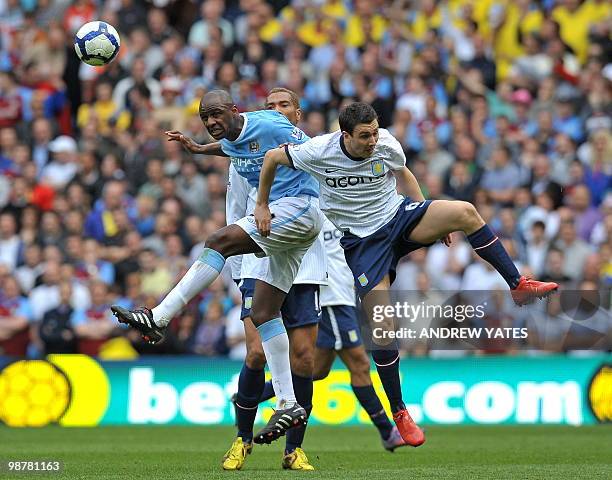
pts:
[271, 157]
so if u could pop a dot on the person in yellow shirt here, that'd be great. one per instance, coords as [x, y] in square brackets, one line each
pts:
[519, 17]
[272, 28]
[427, 17]
[103, 109]
[364, 25]
[575, 20]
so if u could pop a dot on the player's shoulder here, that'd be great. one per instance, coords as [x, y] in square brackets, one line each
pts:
[385, 136]
[263, 117]
[387, 140]
[326, 141]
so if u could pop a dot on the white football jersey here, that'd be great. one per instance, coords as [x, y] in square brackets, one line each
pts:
[358, 195]
[340, 290]
[239, 195]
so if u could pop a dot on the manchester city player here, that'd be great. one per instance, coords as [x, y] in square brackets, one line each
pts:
[300, 313]
[357, 169]
[296, 225]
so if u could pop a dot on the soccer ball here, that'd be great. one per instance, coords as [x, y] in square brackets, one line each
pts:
[33, 393]
[97, 43]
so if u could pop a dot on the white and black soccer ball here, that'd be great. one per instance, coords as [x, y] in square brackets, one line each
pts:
[97, 43]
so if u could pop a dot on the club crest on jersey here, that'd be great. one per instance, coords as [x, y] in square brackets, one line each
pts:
[378, 168]
[297, 133]
[363, 280]
[254, 146]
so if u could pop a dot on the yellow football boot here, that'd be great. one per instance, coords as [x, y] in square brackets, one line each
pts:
[297, 460]
[234, 458]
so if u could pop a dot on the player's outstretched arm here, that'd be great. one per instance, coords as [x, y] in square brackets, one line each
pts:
[408, 184]
[263, 216]
[194, 147]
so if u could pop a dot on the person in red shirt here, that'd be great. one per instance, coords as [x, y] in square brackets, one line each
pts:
[15, 317]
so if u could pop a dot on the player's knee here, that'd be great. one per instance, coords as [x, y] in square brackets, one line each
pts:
[255, 357]
[218, 241]
[260, 315]
[302, 359]
[320, 372]
[469, 215]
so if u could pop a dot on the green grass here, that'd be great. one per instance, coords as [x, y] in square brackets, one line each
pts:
[478, 452]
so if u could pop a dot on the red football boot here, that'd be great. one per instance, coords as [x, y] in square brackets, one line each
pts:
[410, 431]
[527, 290]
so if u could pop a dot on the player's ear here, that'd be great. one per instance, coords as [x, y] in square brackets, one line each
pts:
[298, 114]
[234, 109]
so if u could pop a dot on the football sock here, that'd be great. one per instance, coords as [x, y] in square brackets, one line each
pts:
[371, 403]
[276, 347]
[250, 385]
[387, 363]
[486, 244]
[200, 275]
[267, 393]
[303, 394]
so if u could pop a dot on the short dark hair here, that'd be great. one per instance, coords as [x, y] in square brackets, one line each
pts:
[355, 114]
[295, 99]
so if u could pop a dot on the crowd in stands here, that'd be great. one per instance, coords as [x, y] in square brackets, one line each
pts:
[503, 103]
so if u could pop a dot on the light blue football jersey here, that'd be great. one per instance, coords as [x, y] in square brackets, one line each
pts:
[264, 130]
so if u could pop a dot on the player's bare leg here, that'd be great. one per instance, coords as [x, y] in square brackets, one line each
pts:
[446, 216]
[225, 242]
[265, 314]
[387, 359]
[324, 359]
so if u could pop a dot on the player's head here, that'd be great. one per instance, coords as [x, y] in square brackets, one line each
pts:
[359, 126]
[218, 113]
[286, 102]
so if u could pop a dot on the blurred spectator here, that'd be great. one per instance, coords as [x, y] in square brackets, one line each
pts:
[56, 331]
[15, 318]
[211, 11]
[31, 269]
[536, 249]
[501, 178]
[10, 100]
[91, 267]
[587, 216]
[63, 167]
[156, 278]
[575, 250]
[192, 189]
[209, 336]
[46, 296]
[171, 115]
[10, 244]
[100, 223]
[94, 325]
[138, 79]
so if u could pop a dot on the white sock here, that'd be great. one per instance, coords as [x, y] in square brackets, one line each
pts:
[276, 347]
[200, 275]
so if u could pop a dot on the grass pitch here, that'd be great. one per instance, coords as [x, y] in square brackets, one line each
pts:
[461, 452]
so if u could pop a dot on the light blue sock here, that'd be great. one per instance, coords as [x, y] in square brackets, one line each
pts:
[200, 275]
[276, 347]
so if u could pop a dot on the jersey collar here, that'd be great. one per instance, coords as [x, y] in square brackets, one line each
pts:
[345, 151]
